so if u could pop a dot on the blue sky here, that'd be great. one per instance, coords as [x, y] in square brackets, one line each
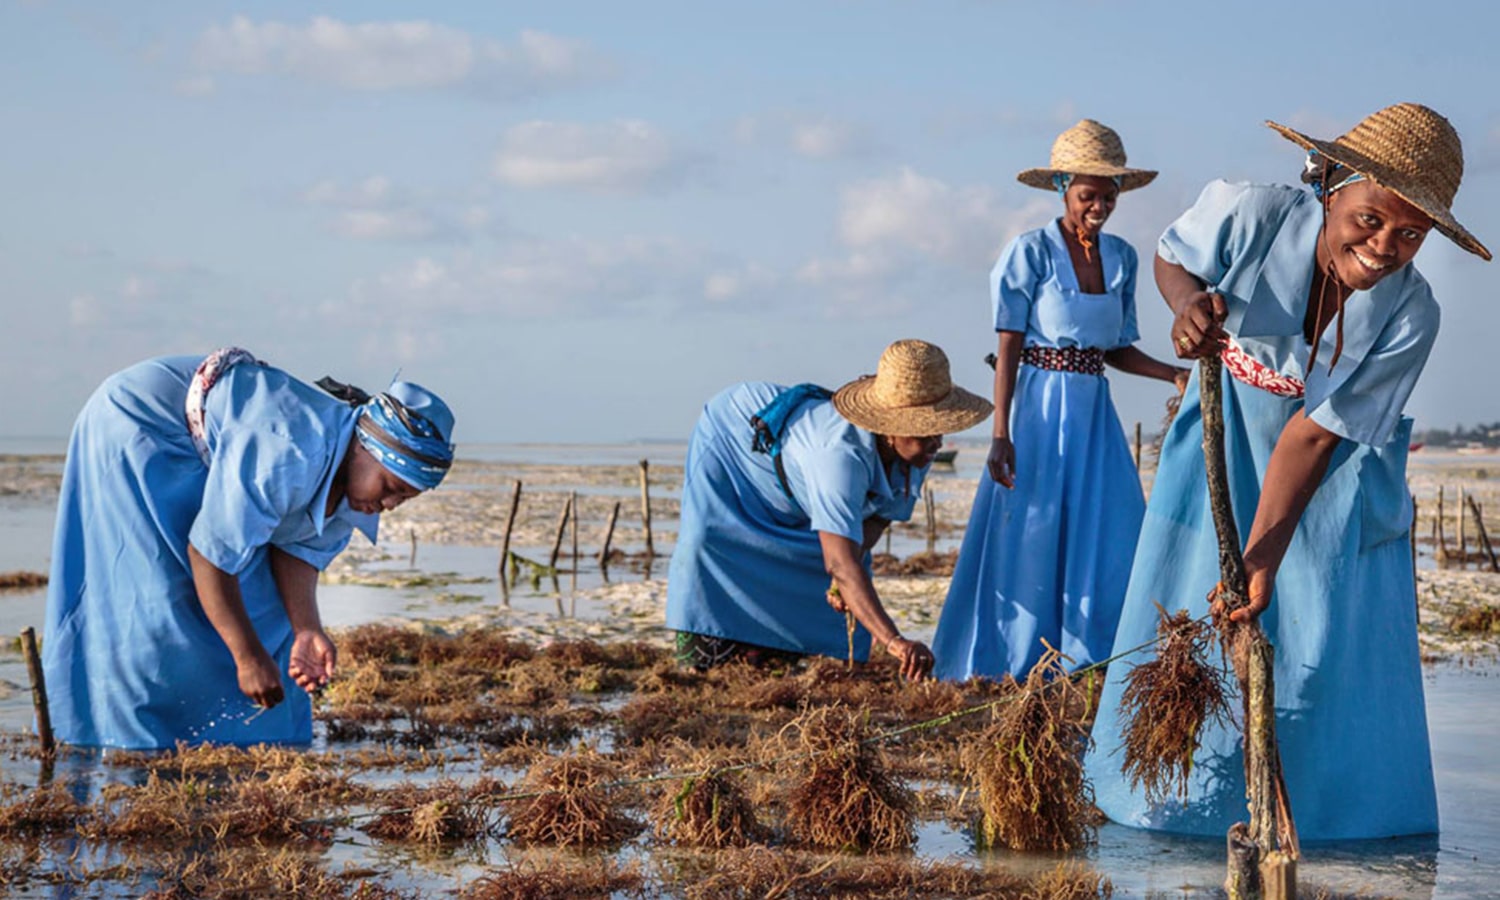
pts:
[579, 220]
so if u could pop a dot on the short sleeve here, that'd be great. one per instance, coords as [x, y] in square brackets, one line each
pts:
[321, 550]
[258, 474]
[1206, 239]
[1130, 332]
[1367, 405]
[1014, 280]
[836, 480]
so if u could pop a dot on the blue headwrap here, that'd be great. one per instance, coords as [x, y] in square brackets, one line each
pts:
[1320, 172]
[1061, 180]
[407, 430]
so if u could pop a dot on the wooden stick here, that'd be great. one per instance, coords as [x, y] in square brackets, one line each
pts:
[646, 507]
[573, 576]
[1416, 591]
[562, 529]
[1271, 828]
[609, 534]
[412, 563]
[1138, 447]
[1440, 552]
[1484, 536]
[929, 506]
[510, 521]
[38, 692]
[1463, 534]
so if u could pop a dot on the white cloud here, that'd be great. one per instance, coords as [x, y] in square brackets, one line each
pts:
[625, 155]
[374, 209]
[414, 55]
[729, 284]
[810, 136]
[913, 212]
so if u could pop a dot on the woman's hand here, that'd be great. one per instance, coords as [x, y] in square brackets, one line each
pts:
[259, 679]
[915, 659]
[1002, 461]
[313, 659]
[1196, 327]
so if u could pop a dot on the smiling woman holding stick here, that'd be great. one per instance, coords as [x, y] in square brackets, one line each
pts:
[1323, 325]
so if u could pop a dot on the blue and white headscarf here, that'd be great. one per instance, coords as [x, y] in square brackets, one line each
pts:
[1061, 180]
[1326, 176]
[407, 429]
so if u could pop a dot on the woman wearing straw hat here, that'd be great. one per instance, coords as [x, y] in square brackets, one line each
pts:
[200, 497]
[1324, 326]
[787, 488]
[1052, 532]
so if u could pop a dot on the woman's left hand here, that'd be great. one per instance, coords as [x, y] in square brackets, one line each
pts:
[313, 659]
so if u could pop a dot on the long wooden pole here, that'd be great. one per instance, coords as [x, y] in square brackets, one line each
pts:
[646, 507]
[930, 507]
[38, 693]
[1440, 552]
[1263, 855]
[609, 534]
[1463, 534]
[510, 522]
[557, 539]
[573, 576]
[1484, 536]
[1138, 447]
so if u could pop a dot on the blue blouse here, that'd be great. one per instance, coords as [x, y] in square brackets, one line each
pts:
[1256, 246]
[1035, 291]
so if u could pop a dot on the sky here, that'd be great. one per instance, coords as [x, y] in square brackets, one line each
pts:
[577, 221]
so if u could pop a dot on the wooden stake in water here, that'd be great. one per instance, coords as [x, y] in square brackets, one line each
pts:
[1463, 536]
[557, 539]
[412, 563]
[646, 507]
[38, 693]
[1440, 538]
[609, 534]
[573, 576]
[1484, 536]
[930, 507]
[1138, 447]
[510, 521]
[1263, 855]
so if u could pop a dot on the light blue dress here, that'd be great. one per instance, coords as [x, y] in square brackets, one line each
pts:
[1049, 558]
[748, 564]
[131, 660]
[1350, 715]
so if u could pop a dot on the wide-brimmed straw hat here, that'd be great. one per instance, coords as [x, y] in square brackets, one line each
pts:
[1088, 148]
[911, 394]
[1410, 151]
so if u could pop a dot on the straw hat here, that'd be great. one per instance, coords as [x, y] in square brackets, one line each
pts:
[910, 395]
[1088, 148]
[1410, 151]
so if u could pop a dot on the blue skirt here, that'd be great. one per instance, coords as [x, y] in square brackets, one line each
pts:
[1050, 558]
[1350, 717]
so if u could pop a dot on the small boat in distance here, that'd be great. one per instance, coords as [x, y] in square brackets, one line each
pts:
[945, 457]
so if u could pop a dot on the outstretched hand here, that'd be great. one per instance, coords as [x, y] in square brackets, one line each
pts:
[915, 659]
[313, 659]
[259, 680]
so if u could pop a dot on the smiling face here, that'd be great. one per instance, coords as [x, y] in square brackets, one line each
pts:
[1088, 203]
[917, 452]
[1369, 233]
[369, 486]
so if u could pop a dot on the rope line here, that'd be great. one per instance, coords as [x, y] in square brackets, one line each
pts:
[880, 738]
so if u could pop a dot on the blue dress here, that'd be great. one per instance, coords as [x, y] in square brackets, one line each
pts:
[131, 659]
[1350, 717]
[748, 564]
[1049, 558]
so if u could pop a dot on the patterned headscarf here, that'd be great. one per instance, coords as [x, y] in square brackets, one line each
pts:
[1062, 179]
[1319, 171]
[407, 430]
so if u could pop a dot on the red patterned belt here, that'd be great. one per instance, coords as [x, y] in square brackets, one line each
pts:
[1087, 360]
[1257, 374]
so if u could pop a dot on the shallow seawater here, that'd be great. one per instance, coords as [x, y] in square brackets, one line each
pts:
[1463, 705]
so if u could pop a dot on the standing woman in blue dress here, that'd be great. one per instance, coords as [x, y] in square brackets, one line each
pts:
[1324, 325]
[785, 491]
[200, 499]
[1052, 532]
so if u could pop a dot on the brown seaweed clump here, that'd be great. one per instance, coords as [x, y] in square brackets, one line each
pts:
[40, 811]
[21, 581]
[1476, 620]
[1165, 706]
[1028, 764]
[710, 809]
[254, 871]
[558, 881]
[445, 813]
[847, 799]
[564, 802]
